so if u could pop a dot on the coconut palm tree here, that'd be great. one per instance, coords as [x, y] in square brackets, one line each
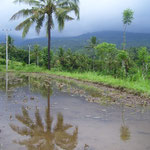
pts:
[45, 11]
[91, 47]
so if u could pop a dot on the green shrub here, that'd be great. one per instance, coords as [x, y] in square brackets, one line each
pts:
[2, 62]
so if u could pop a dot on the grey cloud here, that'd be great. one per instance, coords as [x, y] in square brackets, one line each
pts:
[95, 15]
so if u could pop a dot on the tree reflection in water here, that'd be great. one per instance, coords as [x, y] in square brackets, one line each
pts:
[41, 136]
[125, 134]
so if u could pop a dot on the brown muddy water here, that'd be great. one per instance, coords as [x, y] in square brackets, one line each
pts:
[39, 113]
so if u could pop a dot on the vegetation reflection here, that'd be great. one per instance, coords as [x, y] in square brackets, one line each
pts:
[125, 134]
[41, 135]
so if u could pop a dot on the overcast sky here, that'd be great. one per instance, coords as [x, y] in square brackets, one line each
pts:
[95, 15]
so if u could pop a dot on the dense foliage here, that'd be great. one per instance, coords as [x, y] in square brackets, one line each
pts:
[105, 58]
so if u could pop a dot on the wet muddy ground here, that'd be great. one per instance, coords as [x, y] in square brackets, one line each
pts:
[38, 112]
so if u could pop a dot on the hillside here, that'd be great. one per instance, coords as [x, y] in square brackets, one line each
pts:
[78, 42]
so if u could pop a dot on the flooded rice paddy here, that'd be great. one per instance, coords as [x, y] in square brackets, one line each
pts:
[42, 113]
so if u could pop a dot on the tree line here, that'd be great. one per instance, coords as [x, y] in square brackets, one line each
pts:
[47, 12]
[104, 58]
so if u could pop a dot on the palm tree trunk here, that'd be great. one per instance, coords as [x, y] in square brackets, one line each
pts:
[49, 41]
[124, 37]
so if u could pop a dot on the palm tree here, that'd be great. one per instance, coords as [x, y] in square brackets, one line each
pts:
[44, 11]
[91, 47]
[127, 20]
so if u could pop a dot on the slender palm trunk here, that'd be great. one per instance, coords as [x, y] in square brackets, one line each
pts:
[49, 41]
[124, 37]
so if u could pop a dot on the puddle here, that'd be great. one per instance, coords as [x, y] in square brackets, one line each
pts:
[40, 113]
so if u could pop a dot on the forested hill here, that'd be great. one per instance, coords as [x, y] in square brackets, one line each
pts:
[78, 42]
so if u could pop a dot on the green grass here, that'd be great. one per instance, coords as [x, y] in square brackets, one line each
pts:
[140, 86]
[26, 68]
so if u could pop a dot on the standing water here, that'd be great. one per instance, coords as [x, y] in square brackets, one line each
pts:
[40, 113]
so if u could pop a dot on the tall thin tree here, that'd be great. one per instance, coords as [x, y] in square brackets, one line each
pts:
[127, 20]
[45, 11]
[91, 47]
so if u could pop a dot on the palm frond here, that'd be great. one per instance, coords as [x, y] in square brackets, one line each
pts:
[61, 16]
[63, 9]
[29, 2]
[21, 131]
[75, 8]
[61, 23]
[26, 28]
[22, 13]
[68, 18]
[64, 3]
[72, 5]
[25, 119]
[38, 119]
[42, 8]
[39, 23]
[22, 24]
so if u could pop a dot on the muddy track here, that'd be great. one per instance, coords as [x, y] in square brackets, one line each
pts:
[115, 95]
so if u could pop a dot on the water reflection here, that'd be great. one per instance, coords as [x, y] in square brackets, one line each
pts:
[125, 134]
[6, 83]
[9, 82]
[86, 147]
[42, 136]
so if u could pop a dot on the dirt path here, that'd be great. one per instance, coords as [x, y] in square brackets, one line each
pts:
[100, 93]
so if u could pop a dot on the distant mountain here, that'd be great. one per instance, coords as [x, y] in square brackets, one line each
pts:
[78, 42]
[17, 40]
[2, 38]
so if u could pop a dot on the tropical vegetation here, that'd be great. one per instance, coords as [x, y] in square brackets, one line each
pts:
[44, 11]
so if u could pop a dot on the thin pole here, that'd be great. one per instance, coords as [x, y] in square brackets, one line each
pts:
[6, 50]
[29, 53]
[124, 37]
[6, 30]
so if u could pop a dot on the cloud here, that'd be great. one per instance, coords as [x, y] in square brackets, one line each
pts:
[95, 15]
